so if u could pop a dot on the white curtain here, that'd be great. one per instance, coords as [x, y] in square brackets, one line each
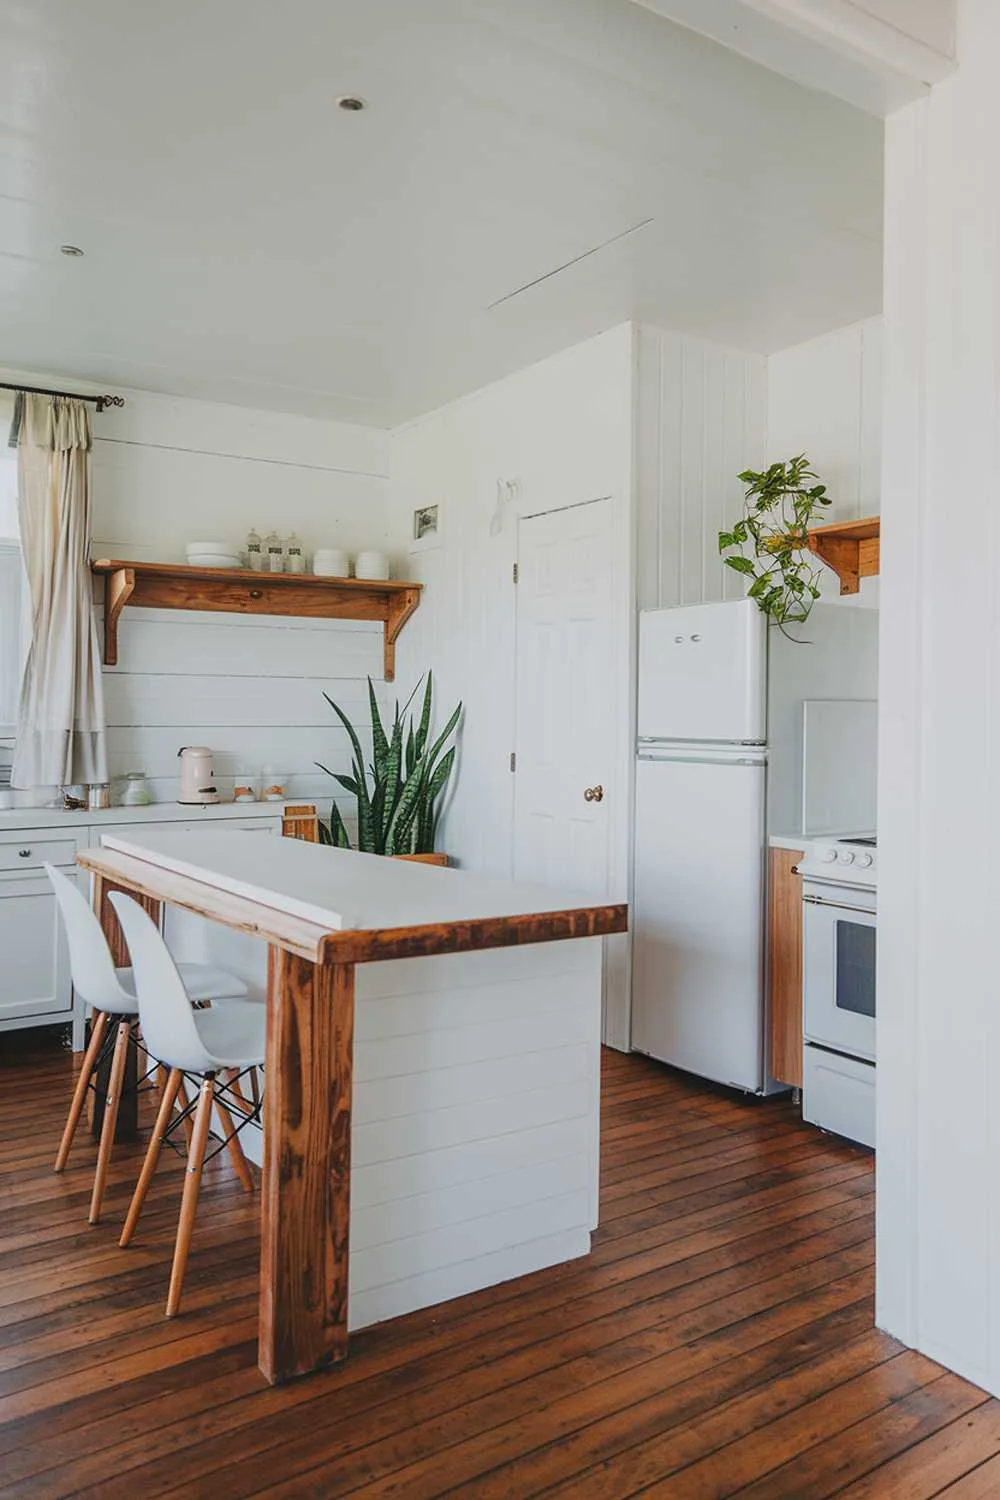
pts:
[60, 731]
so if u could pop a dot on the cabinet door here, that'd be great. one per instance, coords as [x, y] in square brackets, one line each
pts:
[34, 973]
[784, 966]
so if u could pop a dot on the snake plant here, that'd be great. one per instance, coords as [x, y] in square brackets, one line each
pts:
[399, 793]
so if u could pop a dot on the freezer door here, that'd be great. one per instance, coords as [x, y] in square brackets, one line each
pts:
[698, 996]
[702, 673]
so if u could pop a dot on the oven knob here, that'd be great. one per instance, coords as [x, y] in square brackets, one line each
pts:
[864, 860]
[846, 856]
[827, 856]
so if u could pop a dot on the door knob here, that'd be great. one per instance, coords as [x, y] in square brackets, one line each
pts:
[594, 794]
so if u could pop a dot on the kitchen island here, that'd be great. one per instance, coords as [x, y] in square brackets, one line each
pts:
[478, 1053]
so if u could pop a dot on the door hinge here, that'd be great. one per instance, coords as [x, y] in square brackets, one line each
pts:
[515, 572]
[513, 760]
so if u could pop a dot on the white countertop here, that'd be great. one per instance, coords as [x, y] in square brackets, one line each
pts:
[339, 888]
[797, 842]
[155, 812]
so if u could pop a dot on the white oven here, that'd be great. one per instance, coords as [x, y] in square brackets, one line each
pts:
[839, 970]
[839, 999]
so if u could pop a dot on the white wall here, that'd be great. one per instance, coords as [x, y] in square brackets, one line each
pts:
[939, 894]
[562, 429]
[824, 398]
[701, 417]
[167, 471]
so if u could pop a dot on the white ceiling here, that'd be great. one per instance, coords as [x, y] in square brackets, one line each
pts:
[246, 241]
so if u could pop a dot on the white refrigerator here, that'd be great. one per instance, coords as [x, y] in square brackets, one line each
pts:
[721, 713]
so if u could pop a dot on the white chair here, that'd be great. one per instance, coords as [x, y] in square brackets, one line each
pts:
[110, 993]
[228, 1039]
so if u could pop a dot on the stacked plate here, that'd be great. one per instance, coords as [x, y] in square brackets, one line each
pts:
[212, 555]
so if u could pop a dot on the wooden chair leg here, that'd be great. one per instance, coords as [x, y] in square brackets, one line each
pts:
[99, 1026]
[236, 1156]
[189, 1202]
[110, 1123]
[169, 1095]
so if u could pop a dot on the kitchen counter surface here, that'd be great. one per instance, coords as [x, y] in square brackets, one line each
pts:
[340, 889]
[15, 818]
[794, 841]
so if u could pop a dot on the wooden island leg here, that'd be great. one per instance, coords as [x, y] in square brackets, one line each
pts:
[306, 1198]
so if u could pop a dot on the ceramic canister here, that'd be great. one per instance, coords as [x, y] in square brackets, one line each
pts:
[371, 565]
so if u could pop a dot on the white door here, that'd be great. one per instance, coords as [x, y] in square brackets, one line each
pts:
[565, 699]
[702, 673]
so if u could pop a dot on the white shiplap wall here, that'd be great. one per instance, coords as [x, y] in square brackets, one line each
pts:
[824, 398]
[701, 417]
[167, 471]
[561, 431]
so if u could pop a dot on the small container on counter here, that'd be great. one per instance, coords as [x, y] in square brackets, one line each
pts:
[98, 796]
[271, 786]
[244, 794]
[136, 791]
[255, 555]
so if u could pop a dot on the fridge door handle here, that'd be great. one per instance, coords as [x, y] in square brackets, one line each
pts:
[706, 760]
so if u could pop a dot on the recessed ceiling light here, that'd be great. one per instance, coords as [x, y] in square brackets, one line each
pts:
[70, 250]
[351, 102]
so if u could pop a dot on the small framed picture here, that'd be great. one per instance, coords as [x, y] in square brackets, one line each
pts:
[425, 522]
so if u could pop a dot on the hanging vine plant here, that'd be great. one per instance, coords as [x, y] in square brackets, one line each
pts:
[770, 545]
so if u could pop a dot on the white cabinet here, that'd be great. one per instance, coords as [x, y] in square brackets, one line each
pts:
[35, 984]
[35, 988]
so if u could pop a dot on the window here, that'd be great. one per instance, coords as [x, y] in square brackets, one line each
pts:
[14, 615]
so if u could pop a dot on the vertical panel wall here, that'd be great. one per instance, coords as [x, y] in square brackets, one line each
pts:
[939, 891]
[701, 417]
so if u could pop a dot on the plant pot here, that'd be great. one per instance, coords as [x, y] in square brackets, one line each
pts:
[424, 859]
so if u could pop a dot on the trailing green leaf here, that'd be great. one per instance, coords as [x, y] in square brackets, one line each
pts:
[780, 504]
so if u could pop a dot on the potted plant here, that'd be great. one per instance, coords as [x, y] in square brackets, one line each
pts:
[399, 795]
[780, 504]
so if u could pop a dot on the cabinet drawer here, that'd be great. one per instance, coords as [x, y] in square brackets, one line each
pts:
[30, 850]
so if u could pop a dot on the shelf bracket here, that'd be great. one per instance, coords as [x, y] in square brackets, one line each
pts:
[118, 589]
[401, 607]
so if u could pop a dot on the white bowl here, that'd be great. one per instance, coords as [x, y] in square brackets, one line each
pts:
[331, 562]
[214, 560]
[217, 549]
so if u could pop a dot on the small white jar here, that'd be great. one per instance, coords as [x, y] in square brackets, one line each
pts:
[373, 565]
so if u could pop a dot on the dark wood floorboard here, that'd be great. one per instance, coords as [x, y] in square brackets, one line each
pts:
[717, 1341]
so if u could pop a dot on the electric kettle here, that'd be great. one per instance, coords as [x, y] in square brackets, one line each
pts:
[197, 776]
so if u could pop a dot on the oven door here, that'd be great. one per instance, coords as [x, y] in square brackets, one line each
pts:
[839, 974]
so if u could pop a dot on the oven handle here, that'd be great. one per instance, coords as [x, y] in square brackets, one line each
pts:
[868, 911]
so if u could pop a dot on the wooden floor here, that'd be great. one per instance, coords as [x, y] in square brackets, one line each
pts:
[718, 1341]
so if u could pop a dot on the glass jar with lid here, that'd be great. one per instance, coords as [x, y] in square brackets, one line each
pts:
[136, 792]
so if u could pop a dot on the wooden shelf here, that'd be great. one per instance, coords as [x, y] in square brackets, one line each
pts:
[851, 549]
[239, 591]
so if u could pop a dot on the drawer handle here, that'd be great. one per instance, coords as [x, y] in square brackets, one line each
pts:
[24, 853]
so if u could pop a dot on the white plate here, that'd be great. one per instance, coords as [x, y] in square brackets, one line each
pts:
[212, 560]
[217, 549]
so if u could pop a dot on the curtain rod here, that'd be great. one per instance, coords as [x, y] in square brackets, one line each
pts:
[39, 390]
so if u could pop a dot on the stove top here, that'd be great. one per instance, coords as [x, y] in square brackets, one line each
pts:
[868, 841]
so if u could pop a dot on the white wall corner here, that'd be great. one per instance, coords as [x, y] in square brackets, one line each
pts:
[875, 54]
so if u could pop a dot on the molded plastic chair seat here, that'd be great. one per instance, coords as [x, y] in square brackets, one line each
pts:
[233, 1036]
[110, 993]
[229, 1039]
[202, 982]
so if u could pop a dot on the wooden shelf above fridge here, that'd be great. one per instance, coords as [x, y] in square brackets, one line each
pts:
[851, 549]
[239, 591]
